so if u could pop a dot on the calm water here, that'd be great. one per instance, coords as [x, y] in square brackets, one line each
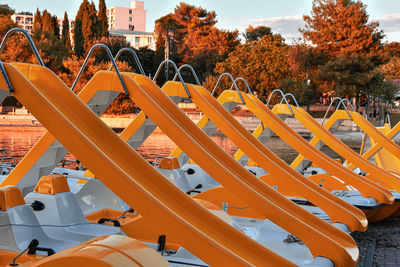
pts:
[18, 140]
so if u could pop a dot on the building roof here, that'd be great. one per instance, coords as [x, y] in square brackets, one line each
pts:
[127, 32]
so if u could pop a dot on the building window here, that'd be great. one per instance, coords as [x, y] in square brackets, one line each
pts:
[130, 19]
[137, 39]
[130, 11]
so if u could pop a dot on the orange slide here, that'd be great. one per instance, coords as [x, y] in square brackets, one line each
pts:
[83, 121]
[216, 243]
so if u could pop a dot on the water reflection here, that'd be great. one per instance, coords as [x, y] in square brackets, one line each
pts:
[17, 141]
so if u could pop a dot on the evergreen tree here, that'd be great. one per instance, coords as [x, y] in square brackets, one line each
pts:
[79, 40]
[47, 22]
[65, 37]
[37, 24]
[56, 27]
[103, 21]
[6, 10]
[255, 34]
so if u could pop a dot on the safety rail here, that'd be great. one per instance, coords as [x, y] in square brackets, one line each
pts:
[233, 83]
[245, 83]
[2, 46]
[135, 56]
[105, 47]
[196, 78]
[293, 97]
[283, 97]
[4, 158]
[341, 101]
[176, 71]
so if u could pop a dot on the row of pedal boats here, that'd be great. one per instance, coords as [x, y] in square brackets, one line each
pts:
[249, 209]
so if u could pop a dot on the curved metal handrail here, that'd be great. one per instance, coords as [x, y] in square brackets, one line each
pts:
[28, 37]
[135, 56]
[341, 101]
[233, 83]
[176, 71]
[245, 82]
[283, 97]
[4, 74]
[191, 70]
[3, 45]
[293, 97]
[113, 63]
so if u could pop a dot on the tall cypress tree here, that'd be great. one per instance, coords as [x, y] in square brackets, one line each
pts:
[79, 40]
[103, 21]
[37, 22]
[65, 37]
[47, 22]
[56, 27]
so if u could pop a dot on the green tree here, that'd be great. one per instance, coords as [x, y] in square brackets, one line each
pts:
[262, 63]
[254, 34]
[65, 36]
[6, 10]
[103, 21]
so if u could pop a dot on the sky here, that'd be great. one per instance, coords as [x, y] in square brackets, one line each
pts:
[283, 16]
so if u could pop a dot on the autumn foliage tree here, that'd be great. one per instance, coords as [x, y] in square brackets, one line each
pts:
[341, 29]
[262, 63]
[190, 35]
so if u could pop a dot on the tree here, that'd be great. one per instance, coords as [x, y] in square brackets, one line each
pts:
[47, 22]
[341, 27]
[56, 27]
[65, 36]
[6, 24]
[255, 34]
[189, 35]
[37, 22]
[350, 76]
[262, 63]
[6, 10]
[79, 39]
[103, 21]
[391, 70]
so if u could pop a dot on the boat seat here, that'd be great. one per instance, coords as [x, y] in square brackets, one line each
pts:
[94, 196]
[19, 226]
[54, 206]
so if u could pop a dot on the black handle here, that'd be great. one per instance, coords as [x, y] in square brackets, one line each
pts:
[104, 220]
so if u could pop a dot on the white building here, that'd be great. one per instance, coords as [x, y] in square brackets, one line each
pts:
[137, 39]
[24, 21]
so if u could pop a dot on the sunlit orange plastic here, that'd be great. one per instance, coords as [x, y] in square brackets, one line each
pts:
[166, 208]
[10, 196]
[321, 133]
[52, 184]
[294, 182]
[106, 251]
[366, 127]
[270, 120]
[169, 163]
[383, 158]
[234, 167]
